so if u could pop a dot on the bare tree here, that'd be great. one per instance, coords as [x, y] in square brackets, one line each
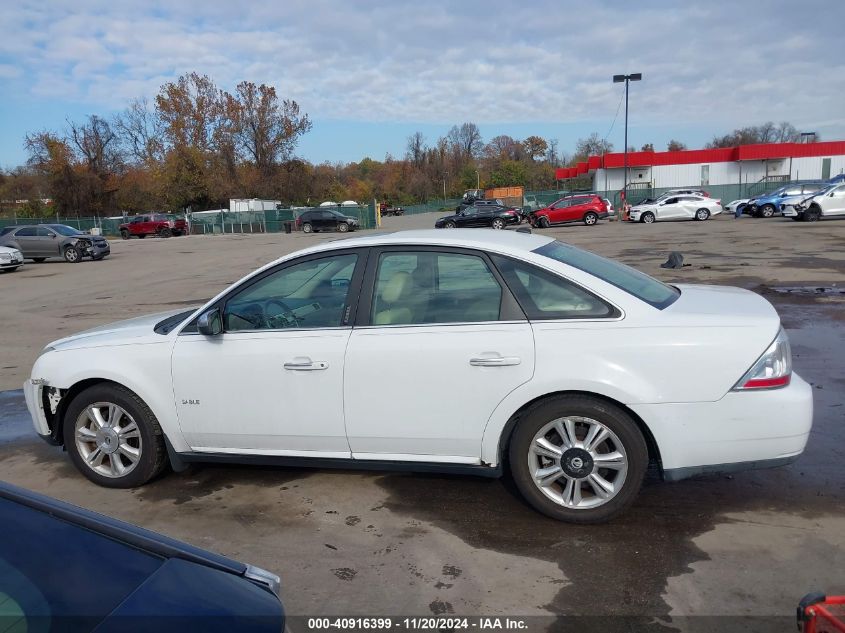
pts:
[675, 146]
[139, 130]
[465, 140]
[416, 149]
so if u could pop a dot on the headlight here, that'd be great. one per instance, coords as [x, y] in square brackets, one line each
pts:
[773, 369]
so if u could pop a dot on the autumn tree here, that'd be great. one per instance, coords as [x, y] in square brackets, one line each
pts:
[648, 147]
[675, 146]
[535, 147]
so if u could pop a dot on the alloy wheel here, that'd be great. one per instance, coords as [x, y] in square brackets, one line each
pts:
[108, 439]
[577, 462]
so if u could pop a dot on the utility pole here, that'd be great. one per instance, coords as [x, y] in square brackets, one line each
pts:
[627, 79]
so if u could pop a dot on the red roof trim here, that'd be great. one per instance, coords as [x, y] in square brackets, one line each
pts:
[766, 151]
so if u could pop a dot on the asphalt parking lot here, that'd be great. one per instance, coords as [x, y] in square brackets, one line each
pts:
[364, 543]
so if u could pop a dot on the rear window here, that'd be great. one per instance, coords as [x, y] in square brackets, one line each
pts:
[643, 287]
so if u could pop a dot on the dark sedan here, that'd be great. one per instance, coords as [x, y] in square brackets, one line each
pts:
[41, 241]
[63, 568]
[493, 216]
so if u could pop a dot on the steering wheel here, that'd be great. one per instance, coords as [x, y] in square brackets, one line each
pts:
[272, 320]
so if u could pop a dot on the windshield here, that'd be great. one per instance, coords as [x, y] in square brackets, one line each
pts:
[63, 229]
[632, 281]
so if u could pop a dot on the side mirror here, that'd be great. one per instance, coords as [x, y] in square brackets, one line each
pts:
[53, 235]
[210, 323]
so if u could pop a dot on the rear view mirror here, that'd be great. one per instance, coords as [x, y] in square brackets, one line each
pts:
[209, 323]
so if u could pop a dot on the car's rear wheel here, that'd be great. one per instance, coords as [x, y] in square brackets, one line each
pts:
[498, 224]
[702, 214]
[343, 227]
[72, 254]
[124, 234]
[113, 437]
[812, 214]
[450, 225]
[590, 218]
[647, 217]
[307, 228]
[767, 211]
[577, 458]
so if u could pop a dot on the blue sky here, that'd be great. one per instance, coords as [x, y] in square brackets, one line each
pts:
[371, 72]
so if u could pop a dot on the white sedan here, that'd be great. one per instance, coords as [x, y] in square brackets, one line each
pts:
[10, 259]
[460, 352]
[688, 207]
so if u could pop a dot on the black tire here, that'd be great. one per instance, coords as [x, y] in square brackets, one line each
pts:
[590, 218]
[544, 222]
[343, 227]
[767, 211]
[165, 232]
[450, 225]
[647, 217]
[153, 456]
[307, 228]
[702, 214]
[498, 224]
[124, 234]
[39, 260]
[611, 417]
[813, 214]
[72, 255]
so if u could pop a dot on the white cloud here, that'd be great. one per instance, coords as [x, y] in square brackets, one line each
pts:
[723, 64]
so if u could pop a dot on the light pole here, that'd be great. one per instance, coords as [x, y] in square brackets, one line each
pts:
[444, 189]
[627, 79]
[477, 180]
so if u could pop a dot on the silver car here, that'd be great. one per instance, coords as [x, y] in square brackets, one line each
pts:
[41, 241]
[10, 259]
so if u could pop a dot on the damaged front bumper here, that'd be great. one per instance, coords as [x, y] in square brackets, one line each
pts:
[42, 401]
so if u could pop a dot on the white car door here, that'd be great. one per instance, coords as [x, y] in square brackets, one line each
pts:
[833, 204]
[669, 209]
[272, 381]
[439, 342]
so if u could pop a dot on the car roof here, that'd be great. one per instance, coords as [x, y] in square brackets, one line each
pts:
[482, 239]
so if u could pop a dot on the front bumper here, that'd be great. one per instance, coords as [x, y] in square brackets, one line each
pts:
[789, 211]
[745, 429]
[33, 394]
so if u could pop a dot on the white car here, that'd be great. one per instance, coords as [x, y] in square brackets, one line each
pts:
[676, 208]
[453, 351]
[10, 259]
[827, 203]
[731, 206]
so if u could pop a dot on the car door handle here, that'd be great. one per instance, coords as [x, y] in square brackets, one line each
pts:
[306, 365]
[495, 361]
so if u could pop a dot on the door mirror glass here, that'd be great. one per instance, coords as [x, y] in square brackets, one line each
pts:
[210, 323]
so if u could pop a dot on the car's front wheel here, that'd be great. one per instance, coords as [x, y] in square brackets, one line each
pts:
[544, 222]
[767, 211]
[343, 227]
[72, 254]
[577, 458]
[113, 437]
[165, 232]
[647, 217]
[450, 225]
[124, 234]
[812, 214]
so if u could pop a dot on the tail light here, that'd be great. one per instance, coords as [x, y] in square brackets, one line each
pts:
[719, 202]
[772, 370]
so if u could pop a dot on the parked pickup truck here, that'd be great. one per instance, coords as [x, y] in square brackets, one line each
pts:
[159, 224]
[386, 210]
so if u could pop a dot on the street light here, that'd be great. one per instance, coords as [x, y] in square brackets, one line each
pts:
[444, 188]
[477, 180]
[618, 79]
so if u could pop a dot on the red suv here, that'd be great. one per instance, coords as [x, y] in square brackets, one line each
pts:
[159, 224]
[586, 208]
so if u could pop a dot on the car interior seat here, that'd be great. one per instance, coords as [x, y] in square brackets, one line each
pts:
[396, 291]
